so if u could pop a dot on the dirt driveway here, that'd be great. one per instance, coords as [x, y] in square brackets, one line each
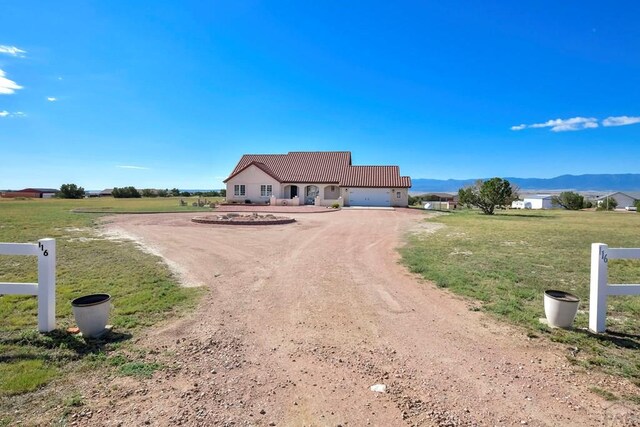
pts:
[301, 320]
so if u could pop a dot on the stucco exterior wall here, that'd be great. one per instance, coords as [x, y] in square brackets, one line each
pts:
[403, 200]
[252, 178]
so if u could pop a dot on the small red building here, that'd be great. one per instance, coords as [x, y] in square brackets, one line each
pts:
[34, 193]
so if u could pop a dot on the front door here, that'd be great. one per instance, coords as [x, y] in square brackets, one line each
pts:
[312, 192]
[294, 191]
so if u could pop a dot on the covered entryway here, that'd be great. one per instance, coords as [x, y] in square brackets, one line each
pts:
[369, 197]
[310, 194]
[290, 191]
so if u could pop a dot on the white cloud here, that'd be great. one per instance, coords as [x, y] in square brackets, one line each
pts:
[563, 125]
[620, 121]
[7, 87]
[51, 99]
[580, 123]
[132, 167]
[12, 50]
[6, 113]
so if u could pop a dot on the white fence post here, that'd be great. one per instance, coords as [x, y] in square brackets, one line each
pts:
[45, 289]
[46, 285]
[598, 290]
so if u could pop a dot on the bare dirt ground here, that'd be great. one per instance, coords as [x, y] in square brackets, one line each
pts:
[301, 319]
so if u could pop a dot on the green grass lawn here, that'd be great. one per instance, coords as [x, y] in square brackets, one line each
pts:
[506, 262]
[143, 289]
[155, 204]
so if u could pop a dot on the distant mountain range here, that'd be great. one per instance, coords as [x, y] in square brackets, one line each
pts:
[594, 182]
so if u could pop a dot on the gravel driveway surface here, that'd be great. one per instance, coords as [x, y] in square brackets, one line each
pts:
[300, 320]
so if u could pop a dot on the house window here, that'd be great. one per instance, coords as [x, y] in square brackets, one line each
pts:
[397, 194]
[266, 190]
[238, 190]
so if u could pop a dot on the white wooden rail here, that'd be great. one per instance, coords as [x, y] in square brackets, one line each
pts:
[45, 289]
[600, 288]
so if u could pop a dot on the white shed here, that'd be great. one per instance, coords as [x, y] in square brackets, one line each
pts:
[541, 201]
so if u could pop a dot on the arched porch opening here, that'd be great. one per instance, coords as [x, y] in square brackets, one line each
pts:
[310, 194]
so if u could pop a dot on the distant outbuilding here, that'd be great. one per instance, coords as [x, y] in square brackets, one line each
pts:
[540, 201]
[520, 204]
[34, 193]
[624, 200]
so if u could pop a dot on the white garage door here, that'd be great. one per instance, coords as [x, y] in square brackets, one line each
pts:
[369, 197]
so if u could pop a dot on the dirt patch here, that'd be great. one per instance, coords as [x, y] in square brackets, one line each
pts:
[184, 276]
[302, 319]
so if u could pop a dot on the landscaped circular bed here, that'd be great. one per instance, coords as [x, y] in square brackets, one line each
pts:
[239, 219]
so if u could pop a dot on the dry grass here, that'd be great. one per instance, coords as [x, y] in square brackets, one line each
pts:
[506, 262]
[144, 290]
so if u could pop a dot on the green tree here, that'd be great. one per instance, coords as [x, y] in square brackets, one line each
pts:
[71, 191]
[149, 192]
[175, 192]
[125, 192]
[569, 200]
[414, 200]
[466, 196]
[163, 193]
[607, 204]
[487, 195]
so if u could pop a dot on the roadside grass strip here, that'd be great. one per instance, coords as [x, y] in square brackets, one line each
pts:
[143, 289]
[506, 261]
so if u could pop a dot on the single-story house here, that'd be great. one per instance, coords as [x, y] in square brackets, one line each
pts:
[540, 201]
[624, 200]
[34, 193]
[320, 178]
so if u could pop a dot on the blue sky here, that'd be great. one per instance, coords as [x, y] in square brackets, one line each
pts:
[166, 94]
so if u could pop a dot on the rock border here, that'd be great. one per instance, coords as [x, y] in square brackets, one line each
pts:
[205, 220]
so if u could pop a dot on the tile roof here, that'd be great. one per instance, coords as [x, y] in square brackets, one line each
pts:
[322, 167]
[374, 176]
